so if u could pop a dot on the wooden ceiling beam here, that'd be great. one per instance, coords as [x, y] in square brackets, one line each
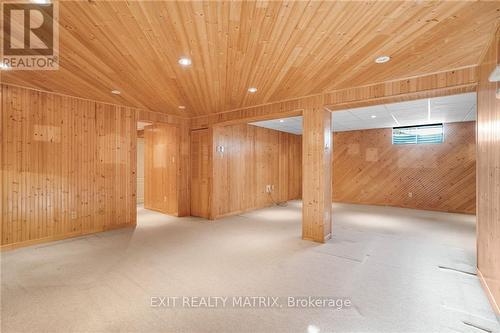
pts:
[427, 86]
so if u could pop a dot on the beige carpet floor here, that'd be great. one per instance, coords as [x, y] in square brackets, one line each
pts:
[403, 270]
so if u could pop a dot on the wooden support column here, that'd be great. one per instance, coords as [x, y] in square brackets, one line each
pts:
[316, 173]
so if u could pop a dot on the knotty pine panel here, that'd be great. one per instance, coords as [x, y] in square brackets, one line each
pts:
[266, 43]
[161, 156]
[201, 172]
[254, 157]
[183, 173]
[317, 174]
[68, 166]
[369, 169]
[488, 176]
[166, 168]
[427, 86]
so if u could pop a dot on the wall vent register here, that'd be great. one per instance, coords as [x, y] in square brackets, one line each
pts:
[422, 134]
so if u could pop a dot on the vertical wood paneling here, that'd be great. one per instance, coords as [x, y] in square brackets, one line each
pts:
[369, 169]
[488, 176]
[316, 167]
[201, 149]
[166, 168]
[286, 49]
[68, 166]
[183, 172]
[160, 171]
[253, 157]
[140, 167]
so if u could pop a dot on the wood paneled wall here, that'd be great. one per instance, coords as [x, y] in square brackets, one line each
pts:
[68, 166]
[253, 157]
[488, 176]
[166, 171]
[369, 169]
[140, 167]
[201, 172]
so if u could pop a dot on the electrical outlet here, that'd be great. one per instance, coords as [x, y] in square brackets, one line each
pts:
[268, 188]
[410, 194]
[73, 215]
[164, 199]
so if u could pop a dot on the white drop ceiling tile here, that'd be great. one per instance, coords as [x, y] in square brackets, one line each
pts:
[450, 115]
[339, 128]
[367, 113]
[410, 105]
[293, 119]
[438, 118]
[443, 109]
[452, 118]
[295, 124]
[421, 116]
[294, 130]
[469, 98]
[263, 123]
[379, 119]
[465, 107]
[384, 124]
[351, 123]
[343, 116]
[402, 111]
[413, 122]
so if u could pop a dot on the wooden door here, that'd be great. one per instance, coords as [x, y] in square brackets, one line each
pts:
[160, 168]
[200, 168]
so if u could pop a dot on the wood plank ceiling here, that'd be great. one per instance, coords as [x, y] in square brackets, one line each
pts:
[285, 49]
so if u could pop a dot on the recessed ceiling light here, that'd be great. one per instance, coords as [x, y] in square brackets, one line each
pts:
[4, 66]
[382, 59]
[252, 90]
[116, 92]
[182, 107]
[184, 61]
[373, 116]
[281, 121]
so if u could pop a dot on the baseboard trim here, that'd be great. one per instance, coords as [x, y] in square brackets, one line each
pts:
[380, 204]
[489, 294]
[241, 211]
[13, 246]
[176, 214]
